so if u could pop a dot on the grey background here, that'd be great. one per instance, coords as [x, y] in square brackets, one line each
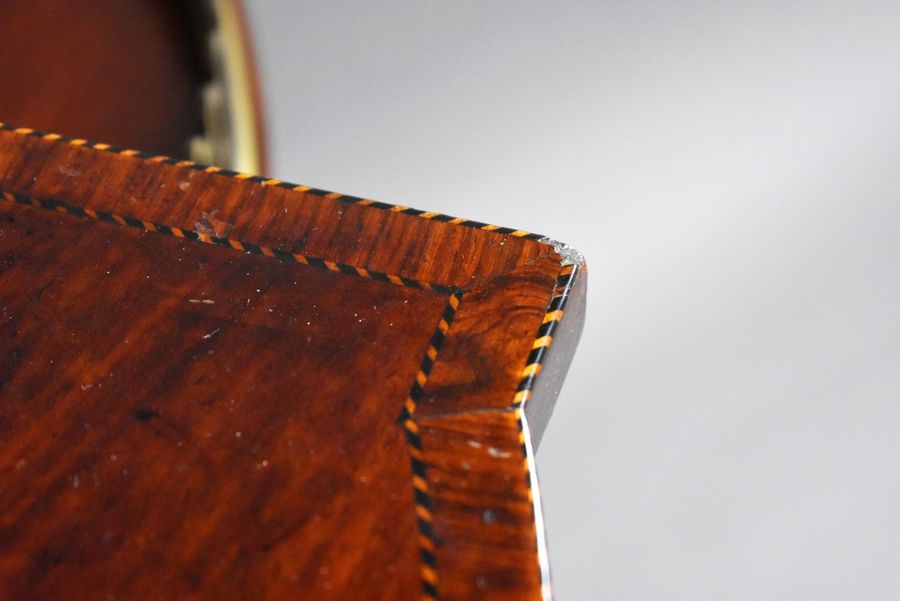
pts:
[729, 429]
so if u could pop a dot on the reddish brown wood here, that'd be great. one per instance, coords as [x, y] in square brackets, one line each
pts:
[319, 402]
[126, 72]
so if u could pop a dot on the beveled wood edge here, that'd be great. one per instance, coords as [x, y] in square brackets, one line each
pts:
[53, 159]
[569, 274]
[265, 181]
[566, 336]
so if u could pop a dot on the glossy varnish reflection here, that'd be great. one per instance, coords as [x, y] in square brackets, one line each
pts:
[218, 387]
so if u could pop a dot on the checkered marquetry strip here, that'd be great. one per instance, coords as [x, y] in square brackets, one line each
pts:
[247, 247]
[414, 445]
[542, 342]
[274, 182]
[544, 337]
[539, 348]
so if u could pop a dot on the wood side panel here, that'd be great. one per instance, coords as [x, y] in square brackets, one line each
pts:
[214, 385]
[248, 415]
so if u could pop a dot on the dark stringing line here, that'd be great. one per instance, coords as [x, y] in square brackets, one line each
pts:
[265, 181]
[247, 247]
[421, 492]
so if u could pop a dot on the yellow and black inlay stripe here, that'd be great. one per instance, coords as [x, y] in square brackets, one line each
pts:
[421, 496]
[539, 348]
[541, 345]
[265, 181]
[544, 338]
[239, 245]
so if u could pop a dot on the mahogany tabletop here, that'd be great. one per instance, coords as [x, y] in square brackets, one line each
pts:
[221, 386]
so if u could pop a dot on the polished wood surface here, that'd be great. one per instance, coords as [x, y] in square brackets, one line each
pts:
[217, 386]
[127, 72]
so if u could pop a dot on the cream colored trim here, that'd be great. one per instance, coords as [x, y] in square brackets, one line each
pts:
[245, 145]
[543, 556]
[231, 137]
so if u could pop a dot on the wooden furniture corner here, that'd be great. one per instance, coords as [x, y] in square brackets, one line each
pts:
[219, 385]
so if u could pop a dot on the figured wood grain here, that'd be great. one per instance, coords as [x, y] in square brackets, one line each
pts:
[214, 385]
